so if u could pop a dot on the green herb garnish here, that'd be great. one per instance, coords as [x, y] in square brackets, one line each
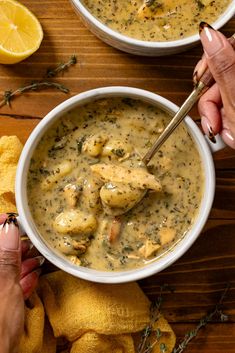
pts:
[119, 152]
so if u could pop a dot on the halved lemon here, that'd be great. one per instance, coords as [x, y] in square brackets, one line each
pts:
[20, 32]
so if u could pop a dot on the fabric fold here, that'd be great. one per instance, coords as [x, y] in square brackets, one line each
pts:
[88, 317]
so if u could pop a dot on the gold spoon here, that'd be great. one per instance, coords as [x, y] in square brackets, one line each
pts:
[205, 82]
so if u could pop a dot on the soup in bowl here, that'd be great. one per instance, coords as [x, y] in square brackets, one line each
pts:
[150, 27]
[91, 206]
[152, 20]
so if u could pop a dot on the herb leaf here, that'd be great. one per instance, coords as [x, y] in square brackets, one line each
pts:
[119, 152]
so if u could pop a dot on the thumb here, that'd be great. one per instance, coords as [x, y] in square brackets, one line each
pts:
[10, 255]
[220, 57]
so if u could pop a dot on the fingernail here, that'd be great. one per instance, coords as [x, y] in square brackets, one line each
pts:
[26, 245]
[195, 80]
[211, 134]
[211, 41]
[9, 236]
[30, 246]
[203, 25]
[229, 136]
[208, 129]
[40, 260]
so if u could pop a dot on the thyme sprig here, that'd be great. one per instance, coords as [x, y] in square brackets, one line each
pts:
[203, 322]
[145, 346]
[41, 84]
[34, 86]
[61, 67]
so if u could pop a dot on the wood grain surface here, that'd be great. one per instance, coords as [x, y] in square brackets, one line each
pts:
[200, 276]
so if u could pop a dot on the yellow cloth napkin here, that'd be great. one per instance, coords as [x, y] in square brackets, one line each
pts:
[10, 149]
[94, 318]
[38, 336]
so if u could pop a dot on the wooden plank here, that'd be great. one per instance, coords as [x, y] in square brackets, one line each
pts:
[19, 126]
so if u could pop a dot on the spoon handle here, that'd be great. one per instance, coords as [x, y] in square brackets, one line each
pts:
[202, 86]
[176, 120]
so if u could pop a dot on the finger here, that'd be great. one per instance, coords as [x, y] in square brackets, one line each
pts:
[199, 70]
[226, 133]
[10, 252]
[221, 61]
[3, 217]
[209, 109]
[29, 265]
[26, 246]
[228, 138]
[29, 283]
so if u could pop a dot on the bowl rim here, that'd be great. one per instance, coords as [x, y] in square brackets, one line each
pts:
[225, 17]
[118, 276]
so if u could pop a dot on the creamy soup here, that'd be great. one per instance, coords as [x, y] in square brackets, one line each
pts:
[92, 198]
[153, 20]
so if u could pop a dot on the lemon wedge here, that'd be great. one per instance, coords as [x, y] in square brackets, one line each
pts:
[20, 32]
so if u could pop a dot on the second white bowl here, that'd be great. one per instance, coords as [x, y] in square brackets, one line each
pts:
[139, 47]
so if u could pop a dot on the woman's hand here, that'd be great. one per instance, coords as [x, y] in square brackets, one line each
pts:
[18, 279]
[217, 105]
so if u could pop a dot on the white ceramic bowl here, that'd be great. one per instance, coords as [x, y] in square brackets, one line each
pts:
[139, 47]
[101, 276]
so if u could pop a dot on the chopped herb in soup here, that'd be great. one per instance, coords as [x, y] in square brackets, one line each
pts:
[153, 20]
[92, 198]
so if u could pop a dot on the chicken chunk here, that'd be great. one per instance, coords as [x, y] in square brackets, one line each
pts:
[74, 259]
[149, 249]
[154, 8]
[167, 235]
[135, 177]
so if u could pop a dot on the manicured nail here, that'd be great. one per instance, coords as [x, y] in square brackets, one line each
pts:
[229, 136]
[9, 236]
[30, 246]
[208, 129]
[195, 80]
[40, 260]
[211, 134]
[11, 218]
[203, 25]
[26, 245]
[211, 41]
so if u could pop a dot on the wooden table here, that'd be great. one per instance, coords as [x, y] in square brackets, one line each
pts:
[200, 276]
